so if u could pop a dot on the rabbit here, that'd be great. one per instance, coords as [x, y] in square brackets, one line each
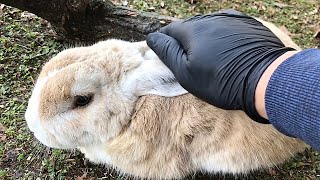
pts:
[121, 106]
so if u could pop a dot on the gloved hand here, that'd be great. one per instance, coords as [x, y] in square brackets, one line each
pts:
[219, 57]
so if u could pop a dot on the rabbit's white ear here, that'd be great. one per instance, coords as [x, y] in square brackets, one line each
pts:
[153, 77]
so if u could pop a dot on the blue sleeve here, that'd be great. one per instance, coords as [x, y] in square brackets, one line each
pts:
[293, 97]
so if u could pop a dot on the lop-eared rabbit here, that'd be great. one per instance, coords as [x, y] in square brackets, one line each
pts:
[120, 105]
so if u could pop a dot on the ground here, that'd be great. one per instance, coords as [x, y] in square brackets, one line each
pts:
[26, 42]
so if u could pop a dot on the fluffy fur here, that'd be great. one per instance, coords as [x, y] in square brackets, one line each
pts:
[141, 120]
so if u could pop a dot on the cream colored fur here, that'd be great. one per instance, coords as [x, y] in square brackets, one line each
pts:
[141, 121]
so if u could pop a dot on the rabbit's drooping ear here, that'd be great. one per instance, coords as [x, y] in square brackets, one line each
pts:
[153, 77]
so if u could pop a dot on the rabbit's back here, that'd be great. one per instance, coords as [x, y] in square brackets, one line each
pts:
[171, 137]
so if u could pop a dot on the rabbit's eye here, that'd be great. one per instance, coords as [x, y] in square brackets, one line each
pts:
[82, 100]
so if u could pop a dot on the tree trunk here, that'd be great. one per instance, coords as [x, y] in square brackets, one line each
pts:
[92, 20]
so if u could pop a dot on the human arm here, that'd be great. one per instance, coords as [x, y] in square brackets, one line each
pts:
[221, 60]
[219, 57]
[263, 83]
[288, 94]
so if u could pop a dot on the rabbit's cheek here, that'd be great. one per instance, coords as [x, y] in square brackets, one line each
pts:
[32, 118]
[48, 139]
[96, 154]
[42, 137]
[33, 124]
[32, 114]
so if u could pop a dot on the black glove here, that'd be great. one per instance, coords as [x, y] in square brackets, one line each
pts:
[219, 57]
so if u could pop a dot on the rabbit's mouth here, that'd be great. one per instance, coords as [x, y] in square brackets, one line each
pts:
[50, 140]
[43, 138]
[35, 126]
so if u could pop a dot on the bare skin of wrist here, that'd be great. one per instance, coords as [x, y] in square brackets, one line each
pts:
[263, 83]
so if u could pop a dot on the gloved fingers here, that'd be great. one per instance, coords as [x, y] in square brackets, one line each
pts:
[178, 30]
[182, 30]
[169, 51]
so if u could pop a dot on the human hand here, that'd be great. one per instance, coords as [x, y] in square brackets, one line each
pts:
[219, 57]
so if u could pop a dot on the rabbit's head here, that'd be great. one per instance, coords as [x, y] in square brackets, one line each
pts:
[85, 96]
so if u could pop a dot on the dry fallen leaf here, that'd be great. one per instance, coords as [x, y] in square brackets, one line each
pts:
[280, 5]
[315, 11]
[151, 8]
[272, 172]
[193, 1]
[28, 15]
[2, 128]
[1, 8]
[81, 177]
[285, 30]
[162, 4]
[313, 1]
[125, 3]
[295, 17]
[3, 137]
[133, 14]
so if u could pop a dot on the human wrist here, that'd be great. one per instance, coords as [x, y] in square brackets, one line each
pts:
[293, 94]
[263, 82]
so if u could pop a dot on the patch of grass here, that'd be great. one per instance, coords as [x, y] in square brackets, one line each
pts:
[3, 173]
[26, 42]
[293, 14]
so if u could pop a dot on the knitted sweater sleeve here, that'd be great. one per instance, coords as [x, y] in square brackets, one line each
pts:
[293, 97]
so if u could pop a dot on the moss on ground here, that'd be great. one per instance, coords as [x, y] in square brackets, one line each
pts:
[27, 41]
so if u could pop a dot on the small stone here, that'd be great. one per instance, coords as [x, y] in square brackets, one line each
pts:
[280, 5]
[2, 128]
[125, 3]
[162, 4]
